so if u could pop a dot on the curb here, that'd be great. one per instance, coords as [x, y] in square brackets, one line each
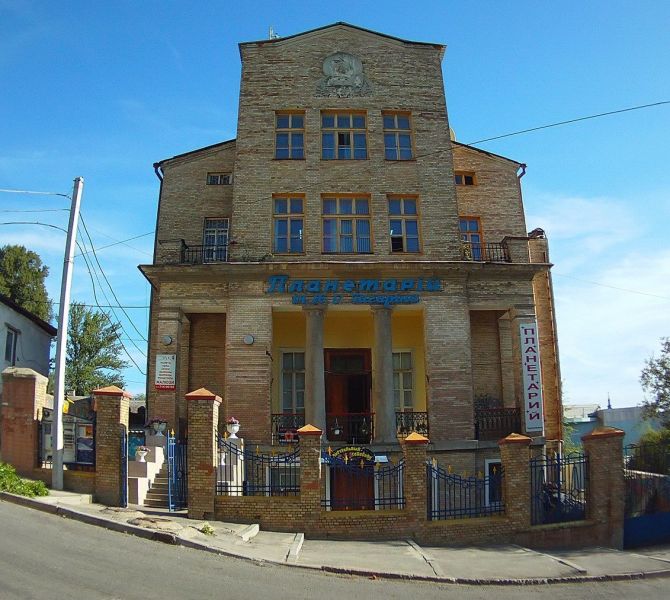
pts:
[174, 540]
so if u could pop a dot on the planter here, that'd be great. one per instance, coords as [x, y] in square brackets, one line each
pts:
[232, 429]
[159, 428]
[140, 455]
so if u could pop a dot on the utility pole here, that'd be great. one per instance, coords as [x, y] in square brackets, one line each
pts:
[61, 344]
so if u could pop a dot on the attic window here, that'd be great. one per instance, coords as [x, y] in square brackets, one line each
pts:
[219, 178]
[465, 178]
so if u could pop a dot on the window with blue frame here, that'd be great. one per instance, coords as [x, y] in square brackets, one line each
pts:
[344, 136]
[288, 224]
[346, 225]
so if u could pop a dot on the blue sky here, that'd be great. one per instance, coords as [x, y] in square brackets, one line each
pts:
[103, 90]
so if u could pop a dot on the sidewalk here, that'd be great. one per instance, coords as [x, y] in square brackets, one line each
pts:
[405, 559]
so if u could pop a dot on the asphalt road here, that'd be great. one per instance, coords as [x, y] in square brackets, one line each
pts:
[43, 556]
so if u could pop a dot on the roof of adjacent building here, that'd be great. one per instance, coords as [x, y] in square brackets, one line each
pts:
[441, 47]
[50, 329]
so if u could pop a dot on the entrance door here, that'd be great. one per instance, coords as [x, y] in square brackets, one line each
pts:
[348, 383]
[349, 420]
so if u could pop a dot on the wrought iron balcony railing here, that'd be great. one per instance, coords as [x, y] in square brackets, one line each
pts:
[496, 423]
[409, 421]
[199, 255]
[350, 428]
[488, 252]
[285, 427]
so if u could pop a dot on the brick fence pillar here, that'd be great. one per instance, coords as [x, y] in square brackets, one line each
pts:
[310, 472]
[515, 457]
[112, 406]
[203, 420]
[23, 398]
[606, 488]
[414, 449]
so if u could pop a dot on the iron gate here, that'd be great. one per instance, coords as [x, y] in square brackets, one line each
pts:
[647, 508]
[177, 473]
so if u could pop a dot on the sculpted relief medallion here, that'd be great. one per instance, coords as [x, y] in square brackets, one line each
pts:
[343, 77]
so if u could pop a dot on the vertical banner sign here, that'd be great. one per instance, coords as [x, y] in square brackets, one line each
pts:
[532, 382]
[165, 371]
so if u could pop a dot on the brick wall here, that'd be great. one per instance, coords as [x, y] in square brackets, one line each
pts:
[486, 374]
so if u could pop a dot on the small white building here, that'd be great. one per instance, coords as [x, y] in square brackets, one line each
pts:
[25, 339]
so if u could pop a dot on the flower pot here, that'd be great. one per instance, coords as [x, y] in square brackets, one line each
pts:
[140, 455]
[232, 429]
[159, 428]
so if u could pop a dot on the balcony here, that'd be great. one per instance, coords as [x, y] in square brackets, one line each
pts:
[350, 428]
[488, 252]
[202, 255]
[285, 427]
[496, 423]
[407, 422]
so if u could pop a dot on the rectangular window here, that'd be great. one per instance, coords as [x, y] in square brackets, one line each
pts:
[290, 135]
[293, 382]
[397, 136]
[219, 179]
[465, 178]
[10, 345]
[288, 224]
[471, 236]
[403, 381]
[215, 240]
[346, 225]
[343, 136]
[403, 224]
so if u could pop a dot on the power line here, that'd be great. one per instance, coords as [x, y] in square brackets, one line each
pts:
[124, 242]
[36, 210]
[604, 114]
[613, 287]
[107, 306]
[111, 289]
[35, 193]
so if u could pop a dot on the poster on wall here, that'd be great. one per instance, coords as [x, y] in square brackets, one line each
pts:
[165, 371]
[532, 380]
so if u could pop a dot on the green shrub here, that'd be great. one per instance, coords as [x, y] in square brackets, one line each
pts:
[11, 482]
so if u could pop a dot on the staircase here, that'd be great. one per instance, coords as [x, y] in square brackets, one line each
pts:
[157, 496]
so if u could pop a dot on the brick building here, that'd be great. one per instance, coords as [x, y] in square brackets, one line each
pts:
[347, 263]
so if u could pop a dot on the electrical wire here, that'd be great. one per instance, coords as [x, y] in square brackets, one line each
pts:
[36, 210]
[117, 242]
[88, 268]
[111, 289]
[612, 287]
[35, 193]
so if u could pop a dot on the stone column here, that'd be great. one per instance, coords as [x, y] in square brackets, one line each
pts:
[315, 383]
[382, 376]
[23, 398]
[112, 407]
[414, 449]
[203, 419]
[515, 456]
[606, 487]
[310, 474]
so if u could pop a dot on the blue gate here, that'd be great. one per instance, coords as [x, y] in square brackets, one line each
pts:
[647, 479]
[177, 473]
[123, 467]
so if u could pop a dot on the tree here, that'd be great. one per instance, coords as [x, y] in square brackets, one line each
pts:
[22, 276]
[655, 380]
[93, 351]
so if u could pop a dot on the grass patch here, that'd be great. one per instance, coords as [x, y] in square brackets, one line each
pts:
[12, 483]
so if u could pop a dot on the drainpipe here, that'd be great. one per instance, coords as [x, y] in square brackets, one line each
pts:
[522, 166]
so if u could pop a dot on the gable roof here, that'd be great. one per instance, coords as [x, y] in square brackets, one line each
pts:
[50, 329]
[491, 154]
[342, 24]
[188, 154]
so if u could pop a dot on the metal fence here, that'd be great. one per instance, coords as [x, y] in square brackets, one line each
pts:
[452, 496]
[242, 472]
[177, 454]
[558, 488]
[359, 484]
[285, 427]
[497, 422]
[647, 479]
[409, 421]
